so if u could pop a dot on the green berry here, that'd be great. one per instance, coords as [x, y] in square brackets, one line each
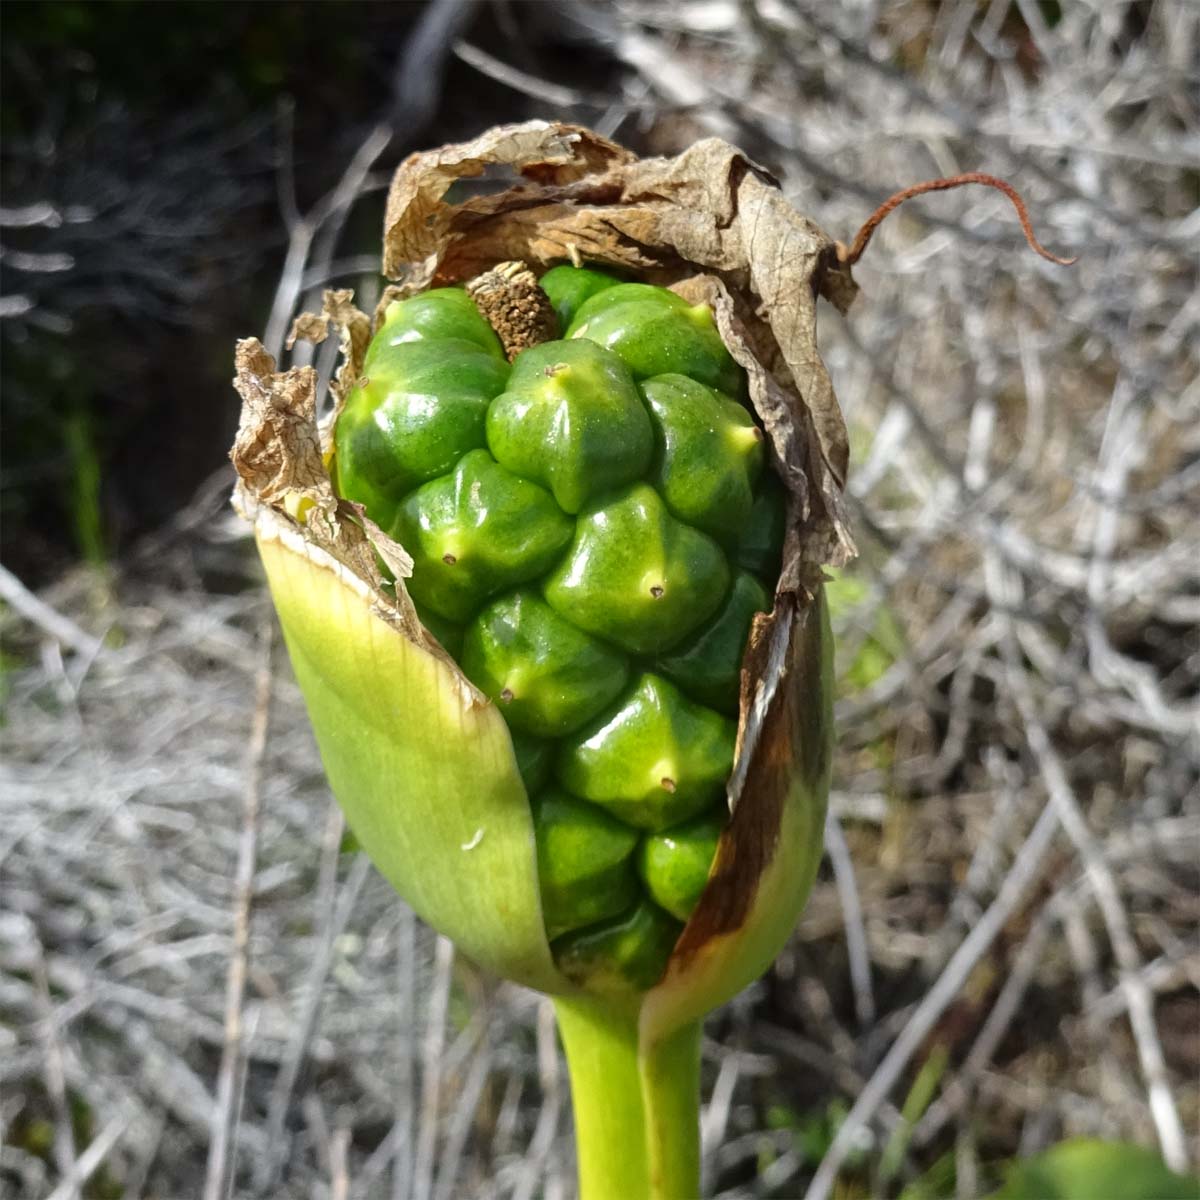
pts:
[535, 760]
[708, 454]
[637, 576]
[675, 863]
[585, 862]
[657, 332]
[568, 287]
[449, 634]
[572, 420]
[760, 547]
[628, 953]
[476, 532]
[547, 676]
[414, 414]
[435, 315]
[652, 760]
[708, 666]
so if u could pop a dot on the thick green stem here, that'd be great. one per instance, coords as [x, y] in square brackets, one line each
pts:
[637, 1108]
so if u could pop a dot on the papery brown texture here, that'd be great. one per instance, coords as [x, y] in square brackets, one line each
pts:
[355, 328]
[277, 455]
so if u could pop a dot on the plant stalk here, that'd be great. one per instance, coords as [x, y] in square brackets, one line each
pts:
[637, 1108]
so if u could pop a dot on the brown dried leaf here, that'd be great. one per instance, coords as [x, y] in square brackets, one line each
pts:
[277, 453]
[355, 328]
[308, 327]
[418, 224]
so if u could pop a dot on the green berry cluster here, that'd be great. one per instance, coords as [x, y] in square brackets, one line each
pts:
[592, 532]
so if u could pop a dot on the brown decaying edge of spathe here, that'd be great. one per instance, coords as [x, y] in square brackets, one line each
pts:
[794, 738]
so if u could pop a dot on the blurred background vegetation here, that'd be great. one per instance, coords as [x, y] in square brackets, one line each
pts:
[142, 145]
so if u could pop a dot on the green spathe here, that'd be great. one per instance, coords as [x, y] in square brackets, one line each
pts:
[674, 864]
[708, 454]
[637, 576]
[653, 760]
[421, 406]
[547, 676]
[656, 332]
[448, 634]
[572, 420]
[708, 665]
[426, 777]
[799, 718]
[436, 314]
[474, 533]
[585, 862]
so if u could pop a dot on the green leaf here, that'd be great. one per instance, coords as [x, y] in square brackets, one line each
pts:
[1088, 1169]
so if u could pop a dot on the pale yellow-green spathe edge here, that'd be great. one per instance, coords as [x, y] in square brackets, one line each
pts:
[428, 782]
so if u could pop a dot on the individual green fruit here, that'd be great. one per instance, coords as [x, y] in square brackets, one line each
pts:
[657, 332]
[547, 676]
[572, 420]
[535, 760]
[621, 955]
[708, 454]
[653, 760]
[476, 532]
[708, 666]
[568, 287]
[434, 315]
[761, 545]
[420, 408]
[637, 576]
[675, 864]
[585, 862]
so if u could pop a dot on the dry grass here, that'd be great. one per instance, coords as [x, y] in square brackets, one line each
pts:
[1011, 888]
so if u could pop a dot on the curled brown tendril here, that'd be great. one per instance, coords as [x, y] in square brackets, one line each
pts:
[854, 253]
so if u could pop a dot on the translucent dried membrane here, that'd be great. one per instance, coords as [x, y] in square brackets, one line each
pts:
[580, 557]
